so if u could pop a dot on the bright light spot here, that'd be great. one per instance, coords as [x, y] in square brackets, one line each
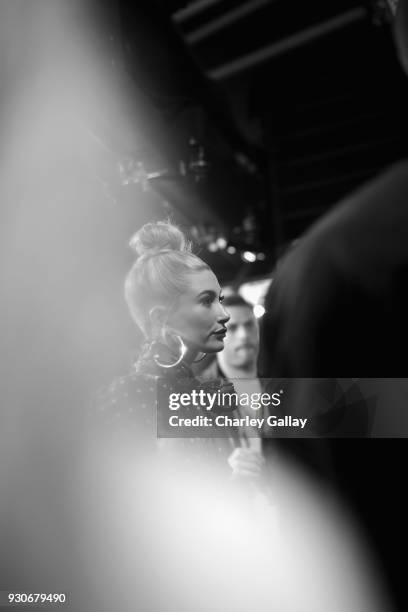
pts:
[221, 242]
[231, 250]
[213, 247]
[259, 310]
[248, 256]
[254, 291]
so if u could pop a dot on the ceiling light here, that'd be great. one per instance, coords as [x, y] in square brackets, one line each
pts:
[248, 256]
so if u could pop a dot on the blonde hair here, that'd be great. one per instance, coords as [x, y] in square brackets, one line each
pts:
[160, 275]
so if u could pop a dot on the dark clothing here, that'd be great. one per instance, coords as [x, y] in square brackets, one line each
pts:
[338, 307]
[339, 302]
[140, 402]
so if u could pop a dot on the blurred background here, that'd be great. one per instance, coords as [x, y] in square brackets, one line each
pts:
[243, 121]
[261, 115]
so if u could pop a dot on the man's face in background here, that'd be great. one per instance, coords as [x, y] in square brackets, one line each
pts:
[241, 343]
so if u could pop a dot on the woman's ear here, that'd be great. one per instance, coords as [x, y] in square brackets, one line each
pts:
[157, 318]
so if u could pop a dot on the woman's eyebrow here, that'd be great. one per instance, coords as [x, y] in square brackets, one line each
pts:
[208, 292]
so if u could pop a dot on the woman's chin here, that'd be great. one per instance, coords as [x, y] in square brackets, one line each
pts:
[214, 347]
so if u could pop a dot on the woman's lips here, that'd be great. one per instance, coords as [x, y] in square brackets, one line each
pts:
[219, 332]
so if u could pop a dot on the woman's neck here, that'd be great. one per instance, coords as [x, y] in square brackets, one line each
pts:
[190, 355]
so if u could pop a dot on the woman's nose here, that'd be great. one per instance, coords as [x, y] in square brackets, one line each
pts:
[223, 317]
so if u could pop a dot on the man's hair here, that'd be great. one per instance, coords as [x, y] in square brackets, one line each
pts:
[236, 300]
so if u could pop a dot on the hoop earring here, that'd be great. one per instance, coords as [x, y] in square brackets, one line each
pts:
[201, 358]
[183, 350]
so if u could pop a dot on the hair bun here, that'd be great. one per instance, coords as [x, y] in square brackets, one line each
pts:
[155, 237]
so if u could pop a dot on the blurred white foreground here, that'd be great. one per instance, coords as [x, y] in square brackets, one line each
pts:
[159, 537]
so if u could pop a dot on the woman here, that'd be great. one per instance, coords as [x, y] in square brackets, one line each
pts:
[168, 534]
[176, 301]
[174, 298]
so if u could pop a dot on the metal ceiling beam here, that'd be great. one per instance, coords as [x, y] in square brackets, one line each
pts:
[291, 42]
[359, 175]
[193, 9]
[225, 20]
[339, 152]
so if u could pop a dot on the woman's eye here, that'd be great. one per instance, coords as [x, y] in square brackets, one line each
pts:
[207, 301]
[221, 298]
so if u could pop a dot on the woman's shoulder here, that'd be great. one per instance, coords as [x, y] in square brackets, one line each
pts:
[131, 393]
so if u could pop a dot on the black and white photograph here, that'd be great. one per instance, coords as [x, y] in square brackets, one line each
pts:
[204, 305]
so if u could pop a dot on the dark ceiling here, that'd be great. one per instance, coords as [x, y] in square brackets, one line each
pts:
[294, 104]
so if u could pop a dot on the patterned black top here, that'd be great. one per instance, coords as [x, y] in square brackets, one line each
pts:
[138, 403]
